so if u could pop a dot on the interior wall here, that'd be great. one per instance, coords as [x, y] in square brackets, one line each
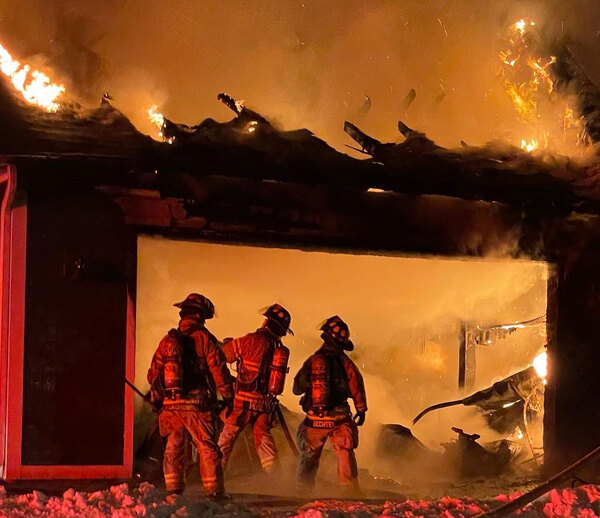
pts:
[404, 316]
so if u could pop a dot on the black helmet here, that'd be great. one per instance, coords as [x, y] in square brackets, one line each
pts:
[280, 316]
[337, 329]
[200, 302]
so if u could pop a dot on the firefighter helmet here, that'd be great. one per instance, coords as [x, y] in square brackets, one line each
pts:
[337, 329]
[280, 316]
[197, 301]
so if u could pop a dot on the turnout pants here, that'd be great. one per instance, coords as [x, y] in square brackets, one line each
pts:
[261, 424]
[344, 438]
[175, 423]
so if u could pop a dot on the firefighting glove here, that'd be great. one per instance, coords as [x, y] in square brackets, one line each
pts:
[229, 406]
[359, 418]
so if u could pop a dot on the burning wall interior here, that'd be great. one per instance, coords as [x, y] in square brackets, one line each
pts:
[404, 315]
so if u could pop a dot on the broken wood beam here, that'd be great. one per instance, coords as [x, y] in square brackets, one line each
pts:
[409, 99]
[542, 489]
[368, 144]
[230, 102]
[404, 129]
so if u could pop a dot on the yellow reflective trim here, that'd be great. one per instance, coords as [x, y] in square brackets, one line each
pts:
[249, 396]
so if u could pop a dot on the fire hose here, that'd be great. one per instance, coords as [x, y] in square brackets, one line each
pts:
[286, 430]
[437, 407]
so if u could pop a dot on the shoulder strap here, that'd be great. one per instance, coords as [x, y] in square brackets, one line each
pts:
[265, 366]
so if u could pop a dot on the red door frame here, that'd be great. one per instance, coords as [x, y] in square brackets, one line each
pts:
[13, 247]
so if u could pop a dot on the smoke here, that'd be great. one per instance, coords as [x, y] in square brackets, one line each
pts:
[404, 316]
[302, 63]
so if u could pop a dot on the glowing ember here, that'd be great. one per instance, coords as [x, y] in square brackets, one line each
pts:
[540, 364]
[529, 145]
[158, 120]
[252, 126]
[35, 86]
[239, 105]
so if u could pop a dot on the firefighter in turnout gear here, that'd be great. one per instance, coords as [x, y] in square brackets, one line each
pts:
[261, 367]
[326, 381]
[187, 371]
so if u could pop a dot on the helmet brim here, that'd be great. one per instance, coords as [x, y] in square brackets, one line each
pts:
[201, 309]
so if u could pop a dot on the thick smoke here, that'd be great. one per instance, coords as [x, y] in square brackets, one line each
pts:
[303, 63]
[404, 316]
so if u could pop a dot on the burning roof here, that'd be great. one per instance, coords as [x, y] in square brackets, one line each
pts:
[250, 146]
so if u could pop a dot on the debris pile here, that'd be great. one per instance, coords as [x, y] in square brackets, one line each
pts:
[118, 501]
[581, 502]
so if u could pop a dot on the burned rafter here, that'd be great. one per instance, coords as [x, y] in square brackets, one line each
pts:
[494, 172]
[368, 144]
[409, 99]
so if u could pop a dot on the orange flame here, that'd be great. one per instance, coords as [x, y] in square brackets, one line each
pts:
[528, 81]
[158, 120]
[540, 364]
[35, 86]
[529, 145]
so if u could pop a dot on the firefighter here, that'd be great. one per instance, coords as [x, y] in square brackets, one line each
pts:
[254, 401]
[187, 370]
[326, 381]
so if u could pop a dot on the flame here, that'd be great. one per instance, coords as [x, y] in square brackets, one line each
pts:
[528, 81]
[540, 74]
[540, 364]
[35, 86]
[530, 145]
[252, 125]
[158, 120]
[568, 119]
[521, 25]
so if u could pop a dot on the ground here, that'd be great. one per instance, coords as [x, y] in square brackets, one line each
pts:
[121, 501]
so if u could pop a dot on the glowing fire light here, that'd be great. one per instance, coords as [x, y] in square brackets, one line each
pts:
[158, 120]
[35, 86]
[540, 364]
[528, 81]
[529, 145]
[252, 126]
[521, 25]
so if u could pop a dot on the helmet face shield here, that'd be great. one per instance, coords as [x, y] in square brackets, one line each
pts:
[280, 316]
[338, 330]
[195, 301]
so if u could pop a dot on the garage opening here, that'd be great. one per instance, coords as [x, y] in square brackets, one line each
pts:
[427, 330]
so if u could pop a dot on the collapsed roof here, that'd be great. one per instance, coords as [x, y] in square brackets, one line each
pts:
[249, 146]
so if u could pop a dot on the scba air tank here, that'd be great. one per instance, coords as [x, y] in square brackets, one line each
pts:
[279, 369]
[173, 370]
[320, 383]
